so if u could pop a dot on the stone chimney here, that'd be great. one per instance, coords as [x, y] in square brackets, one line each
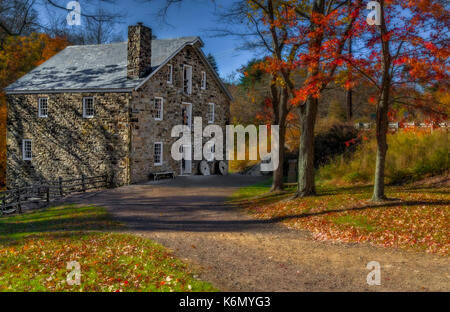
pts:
[139, 51]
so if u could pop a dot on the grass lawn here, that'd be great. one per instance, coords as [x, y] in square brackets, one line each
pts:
[418, 219]
[35, 249]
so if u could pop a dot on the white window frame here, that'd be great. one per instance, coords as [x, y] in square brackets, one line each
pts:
[24, 150]
[170, 74]
[189, 86]
[85, 115]
[40, 114]
[210, 152]
[154, 154]
[203, 80]
[161, 109]
[211, 121]
[189, 111]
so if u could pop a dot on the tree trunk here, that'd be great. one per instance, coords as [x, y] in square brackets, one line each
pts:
[382, 147]
[350, 90]
[382, 113]
[278, 174]
[306, 183]
[349, 105]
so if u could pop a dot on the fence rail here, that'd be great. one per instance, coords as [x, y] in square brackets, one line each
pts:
[11, 201]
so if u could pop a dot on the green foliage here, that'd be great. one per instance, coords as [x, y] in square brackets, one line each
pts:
[212, 60]
[251, 74]
[411, 156]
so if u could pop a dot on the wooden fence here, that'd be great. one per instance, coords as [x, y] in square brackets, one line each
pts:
[11, 201]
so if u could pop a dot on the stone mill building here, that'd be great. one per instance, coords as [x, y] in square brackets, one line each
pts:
[110, 109]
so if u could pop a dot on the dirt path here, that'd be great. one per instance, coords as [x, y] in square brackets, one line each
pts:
[238, 253]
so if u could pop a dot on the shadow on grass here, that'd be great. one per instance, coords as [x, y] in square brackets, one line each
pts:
[56, 219]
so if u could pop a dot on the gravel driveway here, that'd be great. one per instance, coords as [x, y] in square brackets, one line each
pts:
[237, 253]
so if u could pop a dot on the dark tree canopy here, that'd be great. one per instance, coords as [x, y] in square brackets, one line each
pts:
[212, 60]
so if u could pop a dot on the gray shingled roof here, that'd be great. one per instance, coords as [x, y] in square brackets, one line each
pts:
[93, 67]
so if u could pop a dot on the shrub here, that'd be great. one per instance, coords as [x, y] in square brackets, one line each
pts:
[411, 156]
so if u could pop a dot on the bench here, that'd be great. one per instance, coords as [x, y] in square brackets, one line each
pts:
[159, 175]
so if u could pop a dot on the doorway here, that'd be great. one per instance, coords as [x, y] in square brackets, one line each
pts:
[186, 162]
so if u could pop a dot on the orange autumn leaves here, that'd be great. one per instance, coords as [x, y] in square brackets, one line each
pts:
[19, 55]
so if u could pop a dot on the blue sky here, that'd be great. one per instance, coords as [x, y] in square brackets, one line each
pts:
[190, 18]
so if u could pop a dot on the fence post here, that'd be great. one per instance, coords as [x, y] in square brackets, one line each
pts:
[19, 205]
[3, 204]
[48, 193]
[61, 187]
[83, 183]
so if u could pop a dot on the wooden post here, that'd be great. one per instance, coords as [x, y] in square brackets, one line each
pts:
[61, 187]
[19, 205]
[48, 193]
[3, 204]
[83, 183]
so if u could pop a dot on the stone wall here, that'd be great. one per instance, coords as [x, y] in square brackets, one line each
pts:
[65, 144]
[146, 130]
[139, 51]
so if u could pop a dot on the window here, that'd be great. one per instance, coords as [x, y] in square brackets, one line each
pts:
[159, 108]
[169, 73]
[211, 116]
[43, 108]
[88, 107]
[27, 153]
[203, 80]
[158, 153]
[187, 79]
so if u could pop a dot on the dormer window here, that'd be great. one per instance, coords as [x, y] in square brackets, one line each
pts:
[169, 74]
[203, 80]
[187, 79]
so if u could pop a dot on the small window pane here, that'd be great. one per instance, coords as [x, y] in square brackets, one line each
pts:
[88, 107]
[27, 150]
[204, 80]
[158, 105]
[43, 107]
[211, 113]
[158, 153]
[169, 73]
[187, 78]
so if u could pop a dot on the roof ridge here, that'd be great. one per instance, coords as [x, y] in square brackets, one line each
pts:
[95, 45]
